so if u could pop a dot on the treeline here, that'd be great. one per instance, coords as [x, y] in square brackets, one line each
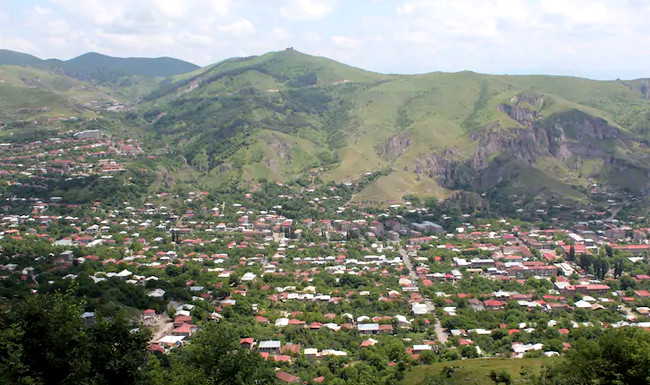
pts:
[614, 357]
[45, 340]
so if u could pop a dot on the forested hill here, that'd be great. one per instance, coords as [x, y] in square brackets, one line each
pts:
[286, 115]
[101, 68]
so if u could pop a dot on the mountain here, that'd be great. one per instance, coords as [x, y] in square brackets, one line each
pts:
[505, 141]
[92, 65]
[13, 58]
[32, 89]
[95, 67]
[29, 94]
[518, 139]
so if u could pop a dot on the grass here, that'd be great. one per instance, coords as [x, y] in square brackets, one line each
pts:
[476, 371]
[437, 111]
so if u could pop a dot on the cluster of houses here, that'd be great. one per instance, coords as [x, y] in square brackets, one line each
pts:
[242, 250]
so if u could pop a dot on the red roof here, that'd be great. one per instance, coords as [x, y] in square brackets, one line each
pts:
[642, 293]
[281, 358]
[286, 377]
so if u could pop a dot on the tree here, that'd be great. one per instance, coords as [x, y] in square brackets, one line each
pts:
[216, 357]
[43, 340]
[618, 267]
[572, 253]
[501, 377]
[617, 356]
[201, 161]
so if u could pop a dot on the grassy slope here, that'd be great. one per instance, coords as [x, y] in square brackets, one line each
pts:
[27, 93]
[443, 125]
[476, 371]
[437, 111]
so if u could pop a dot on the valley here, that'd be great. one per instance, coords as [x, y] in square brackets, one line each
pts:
[286, 218]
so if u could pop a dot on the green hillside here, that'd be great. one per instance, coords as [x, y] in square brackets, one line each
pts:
[477, 371]
[286, 116]
[94, 66]
[28, 94]
[433, 135]
[13, 58]
[98, 68]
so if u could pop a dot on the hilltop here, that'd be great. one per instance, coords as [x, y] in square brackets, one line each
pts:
[95, 67]
[510, 141]
[33, 89]
[286, 115]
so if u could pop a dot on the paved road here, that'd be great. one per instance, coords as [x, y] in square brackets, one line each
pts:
[441, 335]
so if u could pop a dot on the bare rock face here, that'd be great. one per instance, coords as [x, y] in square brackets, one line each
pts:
[645, 88]
[521, 115]
[281, 150]
[395, 146]
[501, 151]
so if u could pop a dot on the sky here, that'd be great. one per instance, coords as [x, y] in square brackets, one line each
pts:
[595, 39]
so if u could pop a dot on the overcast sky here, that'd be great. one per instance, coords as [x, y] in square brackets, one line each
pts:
[596, 39]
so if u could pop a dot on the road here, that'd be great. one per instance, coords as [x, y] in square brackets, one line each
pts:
[441, 334]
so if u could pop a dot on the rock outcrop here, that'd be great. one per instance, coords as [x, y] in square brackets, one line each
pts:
[500, 151]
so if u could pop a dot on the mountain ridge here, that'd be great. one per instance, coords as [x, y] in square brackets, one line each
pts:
[433, 134]
[510, 140]
[93, 66]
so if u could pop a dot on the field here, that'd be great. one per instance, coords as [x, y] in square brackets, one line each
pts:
[477, 371]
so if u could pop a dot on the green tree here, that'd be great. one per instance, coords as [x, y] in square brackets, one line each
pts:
[215, 356]
[44, 340]
[617, 357]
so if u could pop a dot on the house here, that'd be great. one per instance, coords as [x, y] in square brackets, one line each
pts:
[270, 347]
[290, 349]
[288, 378]
[88, 134]
[421, 348]
[428, 227]
[88, 317]
[247, 343]
[368, 328]
[493, 304]
[148, 314]
[182, 319]
[185, 330]
[599, 289]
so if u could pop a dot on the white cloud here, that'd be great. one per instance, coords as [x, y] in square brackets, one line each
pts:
[311, 37]
[18, 44]
[238, 28]
[306, 10]
[279, 33]
[389, 36]
[345, 41]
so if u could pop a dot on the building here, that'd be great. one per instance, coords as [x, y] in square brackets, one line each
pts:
[428, 227]
[271, 347]
[88, 134]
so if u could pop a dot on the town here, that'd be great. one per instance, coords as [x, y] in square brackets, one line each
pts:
[302, 274]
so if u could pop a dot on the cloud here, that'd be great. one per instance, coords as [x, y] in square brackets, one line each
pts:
[402, 36]
[279, 33]
[306, 10]
[345, 41]
[238, 28]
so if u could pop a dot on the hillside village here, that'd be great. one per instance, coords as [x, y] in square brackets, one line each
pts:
[301, 274]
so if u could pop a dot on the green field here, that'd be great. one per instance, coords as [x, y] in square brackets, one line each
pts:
[476, 371]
